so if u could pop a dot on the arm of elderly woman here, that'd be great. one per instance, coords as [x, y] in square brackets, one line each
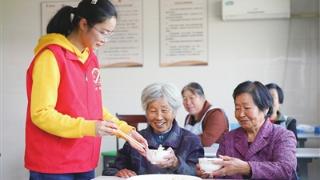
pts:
[284, 160]
[187, 165]
[232, 166]
[184, 164]
[185, 157]
[192, 150]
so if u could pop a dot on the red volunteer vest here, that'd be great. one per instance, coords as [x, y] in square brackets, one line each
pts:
[79, 95]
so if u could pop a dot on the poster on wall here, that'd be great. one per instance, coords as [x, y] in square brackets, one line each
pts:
[49, 9]
[183, 32]
[126, 46]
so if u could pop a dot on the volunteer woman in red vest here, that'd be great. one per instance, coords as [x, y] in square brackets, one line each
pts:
[65, 115]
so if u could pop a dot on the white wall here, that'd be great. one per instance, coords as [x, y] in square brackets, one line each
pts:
[20, 32]
[1, 90]
[282, 51]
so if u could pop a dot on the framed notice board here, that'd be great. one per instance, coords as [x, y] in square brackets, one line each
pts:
[183, 32]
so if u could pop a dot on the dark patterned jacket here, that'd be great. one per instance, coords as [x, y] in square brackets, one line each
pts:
[186, 145]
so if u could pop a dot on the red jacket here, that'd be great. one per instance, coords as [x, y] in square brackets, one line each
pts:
[79, 95]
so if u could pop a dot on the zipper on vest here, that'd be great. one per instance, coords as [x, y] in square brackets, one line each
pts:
[85, 77]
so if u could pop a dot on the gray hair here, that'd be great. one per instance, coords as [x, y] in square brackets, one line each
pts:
[157, 91]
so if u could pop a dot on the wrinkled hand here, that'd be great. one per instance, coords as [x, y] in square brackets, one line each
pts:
[232, 166]
[125, 173]
[201, 173]
[170, 161]
[135, 135]
[105, 128]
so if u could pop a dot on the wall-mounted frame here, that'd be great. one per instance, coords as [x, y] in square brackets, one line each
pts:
[126, 47]
[183, 32]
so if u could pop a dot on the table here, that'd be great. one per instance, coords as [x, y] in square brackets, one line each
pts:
[303, 137]
[304, 157]
[108, 178]
[117, 178]
[308, 153]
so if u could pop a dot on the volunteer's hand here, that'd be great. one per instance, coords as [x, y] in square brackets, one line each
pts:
[125, 173]
[135, 135]
[105, 128]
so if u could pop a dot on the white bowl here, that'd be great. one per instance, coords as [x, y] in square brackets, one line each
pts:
[209, 164]
[156, 156]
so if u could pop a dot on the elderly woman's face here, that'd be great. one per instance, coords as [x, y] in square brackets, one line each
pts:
[247, 113]
[160, 115]
[193, 103]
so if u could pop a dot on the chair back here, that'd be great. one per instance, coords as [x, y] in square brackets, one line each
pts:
[132, 119]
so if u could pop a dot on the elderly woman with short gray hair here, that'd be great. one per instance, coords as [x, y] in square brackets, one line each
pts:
[161, 102]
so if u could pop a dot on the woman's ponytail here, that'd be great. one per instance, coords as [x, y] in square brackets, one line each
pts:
[67, 18]
[63, 22]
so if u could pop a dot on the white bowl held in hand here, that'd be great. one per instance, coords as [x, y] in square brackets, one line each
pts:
[209, 164]
[156, 156]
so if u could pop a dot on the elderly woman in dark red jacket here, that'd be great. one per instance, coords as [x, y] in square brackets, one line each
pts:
[204, 120]
[258, 149]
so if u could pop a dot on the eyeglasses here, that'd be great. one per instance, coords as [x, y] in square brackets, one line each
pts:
[107, 35]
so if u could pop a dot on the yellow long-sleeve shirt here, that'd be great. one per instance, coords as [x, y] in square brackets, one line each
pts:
[46, 78]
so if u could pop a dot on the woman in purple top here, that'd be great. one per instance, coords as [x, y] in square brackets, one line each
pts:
[257, 149]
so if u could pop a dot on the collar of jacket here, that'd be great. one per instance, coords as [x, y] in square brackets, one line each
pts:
[260, 141]
[172, 140]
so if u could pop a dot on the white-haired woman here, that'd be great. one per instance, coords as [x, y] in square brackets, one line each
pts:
[161, 102]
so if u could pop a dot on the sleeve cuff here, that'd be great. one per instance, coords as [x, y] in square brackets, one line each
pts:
[88, 128]
[250, 175]
[126, 128]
